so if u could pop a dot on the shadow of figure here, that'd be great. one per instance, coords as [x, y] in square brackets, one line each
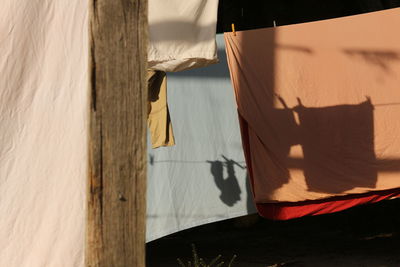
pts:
[323, 149]
[338, 147]
[337, 141]
[229, 186]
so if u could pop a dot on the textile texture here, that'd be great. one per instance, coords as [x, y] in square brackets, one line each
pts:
[319, 105]
[158, 120]
[182, 34]
[203, 178]
[44, 101]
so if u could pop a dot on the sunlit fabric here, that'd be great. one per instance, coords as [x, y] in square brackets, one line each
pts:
[44, 101]
[182, 34]
[203, 178]
[158, 119]
[319, 105]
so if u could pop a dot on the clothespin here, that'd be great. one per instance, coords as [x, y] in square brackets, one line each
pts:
[233, 29]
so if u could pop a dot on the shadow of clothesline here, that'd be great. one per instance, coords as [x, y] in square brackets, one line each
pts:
[228, 184]
[382, 59]
[152, 161]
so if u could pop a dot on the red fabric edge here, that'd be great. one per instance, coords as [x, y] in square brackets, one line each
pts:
[292, 210]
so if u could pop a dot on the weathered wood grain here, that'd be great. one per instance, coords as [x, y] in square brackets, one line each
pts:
[115, 234]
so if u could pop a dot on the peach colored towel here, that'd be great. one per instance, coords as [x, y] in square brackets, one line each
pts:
[319, 105]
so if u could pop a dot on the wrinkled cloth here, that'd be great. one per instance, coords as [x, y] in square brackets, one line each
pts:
[158, 118]
[44, 103]
[202, 179]
[182, 34]
[319, 105]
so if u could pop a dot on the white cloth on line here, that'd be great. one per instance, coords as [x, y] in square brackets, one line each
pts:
[44, 100]
[182, 34]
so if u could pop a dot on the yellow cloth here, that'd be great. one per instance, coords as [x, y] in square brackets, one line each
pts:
[158, 118]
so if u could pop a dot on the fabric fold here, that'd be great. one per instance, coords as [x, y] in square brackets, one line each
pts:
[318, 105]
[158, 120]
[182, 34]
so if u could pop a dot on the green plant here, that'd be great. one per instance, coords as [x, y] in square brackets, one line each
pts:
[199, 262]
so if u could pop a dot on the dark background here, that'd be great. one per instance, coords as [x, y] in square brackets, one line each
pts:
[253, 14]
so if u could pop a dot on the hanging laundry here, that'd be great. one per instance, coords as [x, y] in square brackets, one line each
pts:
[318, 105]
[158, 120]
[182, 34]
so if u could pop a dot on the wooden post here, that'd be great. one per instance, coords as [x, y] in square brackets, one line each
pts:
[115, 234]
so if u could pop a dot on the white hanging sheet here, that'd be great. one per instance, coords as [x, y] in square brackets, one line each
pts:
[202, 179]
[43, 133]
